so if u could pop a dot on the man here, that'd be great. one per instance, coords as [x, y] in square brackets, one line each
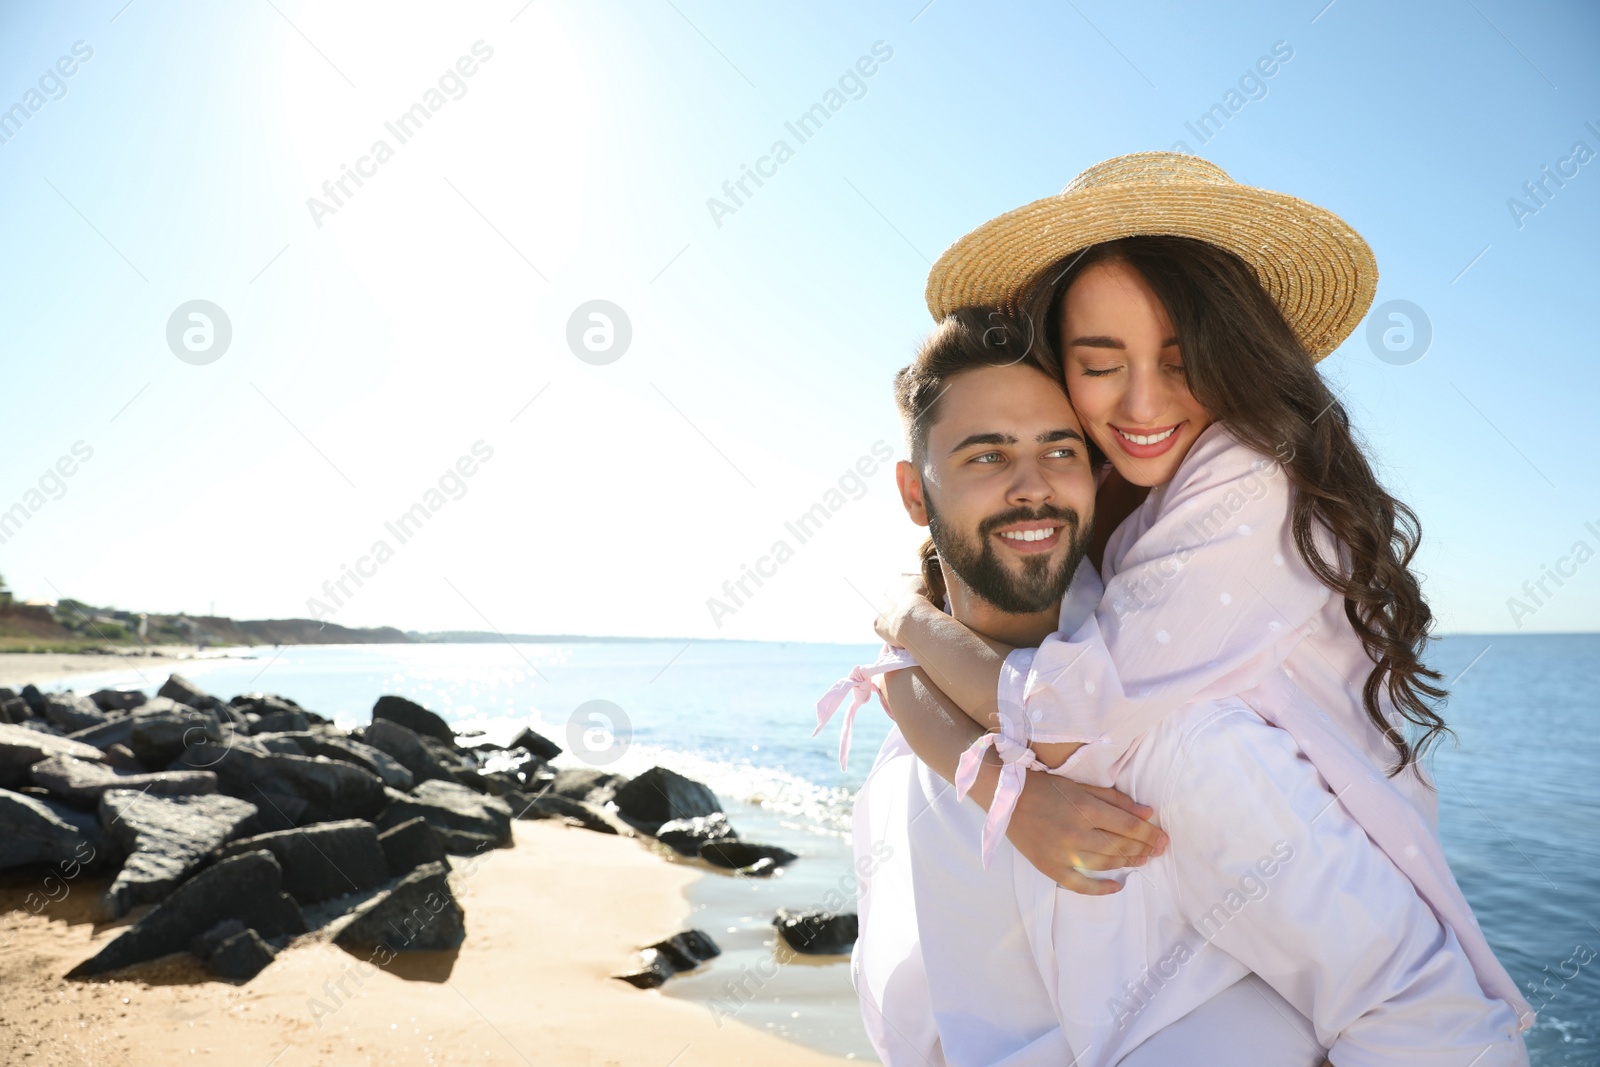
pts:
[1270, 930]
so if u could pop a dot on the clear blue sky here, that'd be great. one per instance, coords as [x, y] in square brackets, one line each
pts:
[372, 347]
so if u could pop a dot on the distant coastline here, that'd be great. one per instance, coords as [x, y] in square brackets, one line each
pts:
[74, 626]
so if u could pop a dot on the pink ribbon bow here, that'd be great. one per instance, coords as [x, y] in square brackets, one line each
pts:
[1018, 759]
[860, 686]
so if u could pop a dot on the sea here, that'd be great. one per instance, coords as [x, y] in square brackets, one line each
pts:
[1519, 809]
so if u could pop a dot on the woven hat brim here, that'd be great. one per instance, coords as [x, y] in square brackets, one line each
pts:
[1318, 270]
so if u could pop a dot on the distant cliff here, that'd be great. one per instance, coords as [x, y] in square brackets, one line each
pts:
[73, 622]
[215, 630]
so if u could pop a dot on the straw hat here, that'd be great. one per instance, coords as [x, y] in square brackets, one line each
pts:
[1318, 270]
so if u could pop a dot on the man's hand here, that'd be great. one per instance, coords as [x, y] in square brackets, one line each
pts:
[1060, 824]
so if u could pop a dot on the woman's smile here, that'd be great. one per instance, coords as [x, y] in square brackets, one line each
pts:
[1146, 443]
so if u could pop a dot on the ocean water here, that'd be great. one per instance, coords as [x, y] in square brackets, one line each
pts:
[1518, 808]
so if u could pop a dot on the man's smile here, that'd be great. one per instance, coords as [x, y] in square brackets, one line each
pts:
[1030, 538]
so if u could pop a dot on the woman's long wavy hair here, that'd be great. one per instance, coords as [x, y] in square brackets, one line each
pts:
[1249, 369]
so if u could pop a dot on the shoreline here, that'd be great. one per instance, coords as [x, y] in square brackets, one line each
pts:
[548, 922]
[20, 668]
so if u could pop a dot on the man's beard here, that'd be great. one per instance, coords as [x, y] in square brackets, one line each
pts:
[1038, 586]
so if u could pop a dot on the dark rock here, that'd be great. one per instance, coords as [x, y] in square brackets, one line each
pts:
[267, 705]
[419, 914]
[282, 744]
[21, 748]
[532, 774]
[34, 699]
[731, 853]
[451, 807]
[279, 721]
[576, 812]
[816, 932]
[227, 713]
[13, 709]
[660, 795]
[296, 789]
[81, 782]
[368, 758]
[407, 748]
[685, 836]
[117, 730]
[472, 778]
[166, 838]
[687, 950]
[323, 861]
[449, 758]
[680, 952]
[69, 711]
[180, 689]
[264, 704]
[277, 810]
[247, 888]
[35, 831]
[414, 717]
[536, 743]
[206, 943]
[698, 944]
[656, 969]
[761, 868]
[118, 699]
[241, 957]
[467, 843]
[268, 713]
[121, 758]
[410, 844]
[498, 783]
[586, 783]
[159, 737]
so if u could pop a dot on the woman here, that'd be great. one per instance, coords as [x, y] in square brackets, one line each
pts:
[1247, 547]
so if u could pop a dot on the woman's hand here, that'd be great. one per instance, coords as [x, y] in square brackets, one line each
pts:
[1060, 824]
[907, 595]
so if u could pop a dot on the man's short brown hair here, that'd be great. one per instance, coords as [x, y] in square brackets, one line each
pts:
[966, 339]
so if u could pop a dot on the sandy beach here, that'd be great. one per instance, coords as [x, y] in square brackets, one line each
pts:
[19, 668]
[548, 922]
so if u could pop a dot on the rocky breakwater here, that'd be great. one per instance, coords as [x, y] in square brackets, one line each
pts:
[242, 824]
